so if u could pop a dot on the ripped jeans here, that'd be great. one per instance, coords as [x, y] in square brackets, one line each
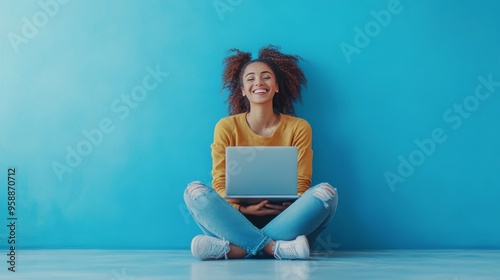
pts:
[309, 215]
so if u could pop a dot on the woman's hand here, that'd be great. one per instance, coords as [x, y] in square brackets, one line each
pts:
[264, 208]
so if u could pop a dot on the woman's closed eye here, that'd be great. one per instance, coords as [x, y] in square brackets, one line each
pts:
[263, 78]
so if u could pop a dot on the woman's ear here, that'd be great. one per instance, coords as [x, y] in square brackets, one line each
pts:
[242, 91]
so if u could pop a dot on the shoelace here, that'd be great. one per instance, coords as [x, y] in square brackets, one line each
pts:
[286, 248]
[215, 247]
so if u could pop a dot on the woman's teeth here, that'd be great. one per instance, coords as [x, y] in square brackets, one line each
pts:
[260, 91]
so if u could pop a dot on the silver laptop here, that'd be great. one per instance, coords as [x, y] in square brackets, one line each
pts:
[255, 173]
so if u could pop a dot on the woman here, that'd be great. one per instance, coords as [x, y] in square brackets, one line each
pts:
[261, 96]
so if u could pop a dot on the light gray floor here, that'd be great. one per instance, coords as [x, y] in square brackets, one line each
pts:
[143, 265]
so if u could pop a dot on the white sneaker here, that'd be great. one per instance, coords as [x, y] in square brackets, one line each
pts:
[205, 247]
[297, 249]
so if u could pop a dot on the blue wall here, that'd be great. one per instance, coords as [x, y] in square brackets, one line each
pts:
[108, 107]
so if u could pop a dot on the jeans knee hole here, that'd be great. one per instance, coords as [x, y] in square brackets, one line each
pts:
[195, 190]
[324, 193]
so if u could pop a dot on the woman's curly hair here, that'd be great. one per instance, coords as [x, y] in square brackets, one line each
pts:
[289, 77]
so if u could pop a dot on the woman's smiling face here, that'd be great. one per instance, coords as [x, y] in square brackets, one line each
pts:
[259, 83]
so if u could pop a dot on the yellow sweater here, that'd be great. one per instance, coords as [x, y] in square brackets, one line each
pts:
[234, 131]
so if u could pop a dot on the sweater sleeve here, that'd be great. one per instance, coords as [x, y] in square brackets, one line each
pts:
[222, 139]
[302, 139]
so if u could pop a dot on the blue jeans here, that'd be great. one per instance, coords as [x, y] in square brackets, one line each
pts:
[309, 215]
